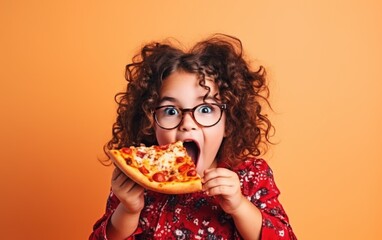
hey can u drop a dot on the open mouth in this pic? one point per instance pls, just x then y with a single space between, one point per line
192 150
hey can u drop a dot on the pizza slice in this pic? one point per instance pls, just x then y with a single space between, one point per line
166 169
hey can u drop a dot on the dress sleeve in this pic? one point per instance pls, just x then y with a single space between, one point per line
99 228
259 187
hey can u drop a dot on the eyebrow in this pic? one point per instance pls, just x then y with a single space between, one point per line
174 100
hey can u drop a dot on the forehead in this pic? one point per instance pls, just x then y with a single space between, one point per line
184 87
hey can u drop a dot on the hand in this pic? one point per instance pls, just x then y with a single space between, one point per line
225 186
129 193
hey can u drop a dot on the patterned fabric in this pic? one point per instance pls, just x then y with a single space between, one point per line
198 216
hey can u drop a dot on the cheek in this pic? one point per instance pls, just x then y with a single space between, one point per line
215 135
222 125
163 136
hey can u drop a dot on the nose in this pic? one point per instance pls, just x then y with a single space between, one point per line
188 123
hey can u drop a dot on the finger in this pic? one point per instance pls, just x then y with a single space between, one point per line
218 181
209 170
116 174
119 176
137 189
220 190
220 186
214 173
126 183
120 180
123 186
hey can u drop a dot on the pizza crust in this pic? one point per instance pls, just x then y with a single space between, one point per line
192 185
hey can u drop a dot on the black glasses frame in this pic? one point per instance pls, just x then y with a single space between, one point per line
222 107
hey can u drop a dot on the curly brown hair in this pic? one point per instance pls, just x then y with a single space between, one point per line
219 57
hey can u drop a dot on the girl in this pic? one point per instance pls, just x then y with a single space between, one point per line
209 98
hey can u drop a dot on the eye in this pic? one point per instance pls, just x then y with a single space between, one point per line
170 111
205 109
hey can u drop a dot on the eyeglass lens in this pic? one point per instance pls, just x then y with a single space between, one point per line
206 115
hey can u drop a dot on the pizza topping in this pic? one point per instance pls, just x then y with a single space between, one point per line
126 150
128 161
179 159
172 178
143 170
161 147
192 173
140 154
159 177
184 167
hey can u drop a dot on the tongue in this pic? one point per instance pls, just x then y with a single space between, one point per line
192 151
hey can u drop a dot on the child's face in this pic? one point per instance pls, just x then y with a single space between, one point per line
182 90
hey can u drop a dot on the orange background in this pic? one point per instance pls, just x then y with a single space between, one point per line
63 61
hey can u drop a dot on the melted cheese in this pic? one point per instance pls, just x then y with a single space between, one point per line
163 160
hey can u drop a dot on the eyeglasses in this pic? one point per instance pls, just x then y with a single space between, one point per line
205 114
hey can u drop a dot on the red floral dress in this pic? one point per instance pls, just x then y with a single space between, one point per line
198 216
